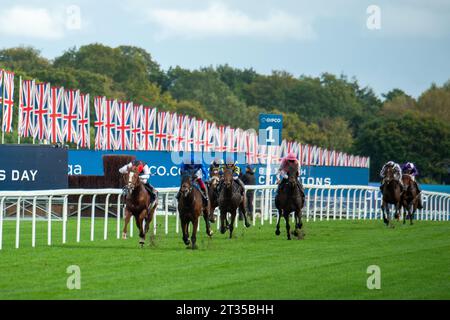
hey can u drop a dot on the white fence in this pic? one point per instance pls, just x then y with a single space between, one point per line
322 203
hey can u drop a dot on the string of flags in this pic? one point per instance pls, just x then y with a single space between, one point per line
59 115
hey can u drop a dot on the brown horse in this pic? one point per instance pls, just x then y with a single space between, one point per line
138 204
392 194
190 208
289 199
410 198
230 199
213 194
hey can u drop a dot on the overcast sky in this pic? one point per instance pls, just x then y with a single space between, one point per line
410 50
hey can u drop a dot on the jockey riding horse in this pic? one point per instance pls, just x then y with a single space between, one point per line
144 176
233 167
197 171
410 169
290 161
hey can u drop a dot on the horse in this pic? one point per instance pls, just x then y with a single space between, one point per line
410 198
213 184
190 208
289 199
230 199
138 205
392 194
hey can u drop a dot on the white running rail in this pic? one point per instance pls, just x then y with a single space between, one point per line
322 203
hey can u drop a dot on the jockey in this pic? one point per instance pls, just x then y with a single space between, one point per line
144 176
232 165
197 170
214 167
286 163
397 173
410 169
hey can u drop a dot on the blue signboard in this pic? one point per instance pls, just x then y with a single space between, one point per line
270 129
28 167
164 167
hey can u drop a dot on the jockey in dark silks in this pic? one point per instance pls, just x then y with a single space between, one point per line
144 176
197 171
286 163
214 167
410 169
397 174
231 165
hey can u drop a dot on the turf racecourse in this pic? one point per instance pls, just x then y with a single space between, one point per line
331 263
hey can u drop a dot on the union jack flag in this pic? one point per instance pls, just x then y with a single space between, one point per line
221 140
8 101
26 106
198 139
180 133
84 139
123 138
56 107
40 112
148 132
110 125
172 122
189 131
161 135
99 125
208 136
136 127
70 115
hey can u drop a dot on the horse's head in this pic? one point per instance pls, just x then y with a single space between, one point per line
228 178
132 179
186 185
389 173
215 178
292 177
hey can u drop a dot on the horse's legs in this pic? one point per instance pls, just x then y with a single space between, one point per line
277 231
184 229
288 226
244 213
223 222
298 222
231 226
149 219
206 216
194 233
127 221
385 210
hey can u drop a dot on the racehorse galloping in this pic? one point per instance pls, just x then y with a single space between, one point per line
392 194
138 204
230 199
410 198
212 194
190 208
289 199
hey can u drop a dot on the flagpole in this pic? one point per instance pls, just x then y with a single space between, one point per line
19 124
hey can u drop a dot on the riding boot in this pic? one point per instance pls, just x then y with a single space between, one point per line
242 185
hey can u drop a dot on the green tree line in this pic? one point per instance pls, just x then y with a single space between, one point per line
331 111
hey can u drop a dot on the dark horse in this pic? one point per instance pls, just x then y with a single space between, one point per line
289 199
410 198
138 204
392 194
213 194
230 199
190 208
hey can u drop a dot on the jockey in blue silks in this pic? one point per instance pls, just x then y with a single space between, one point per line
195 170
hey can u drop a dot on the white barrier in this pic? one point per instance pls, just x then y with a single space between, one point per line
322 202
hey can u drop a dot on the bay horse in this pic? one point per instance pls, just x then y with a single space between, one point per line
410 198
392 194
290 199
230 199
138 204
190 208
213 184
